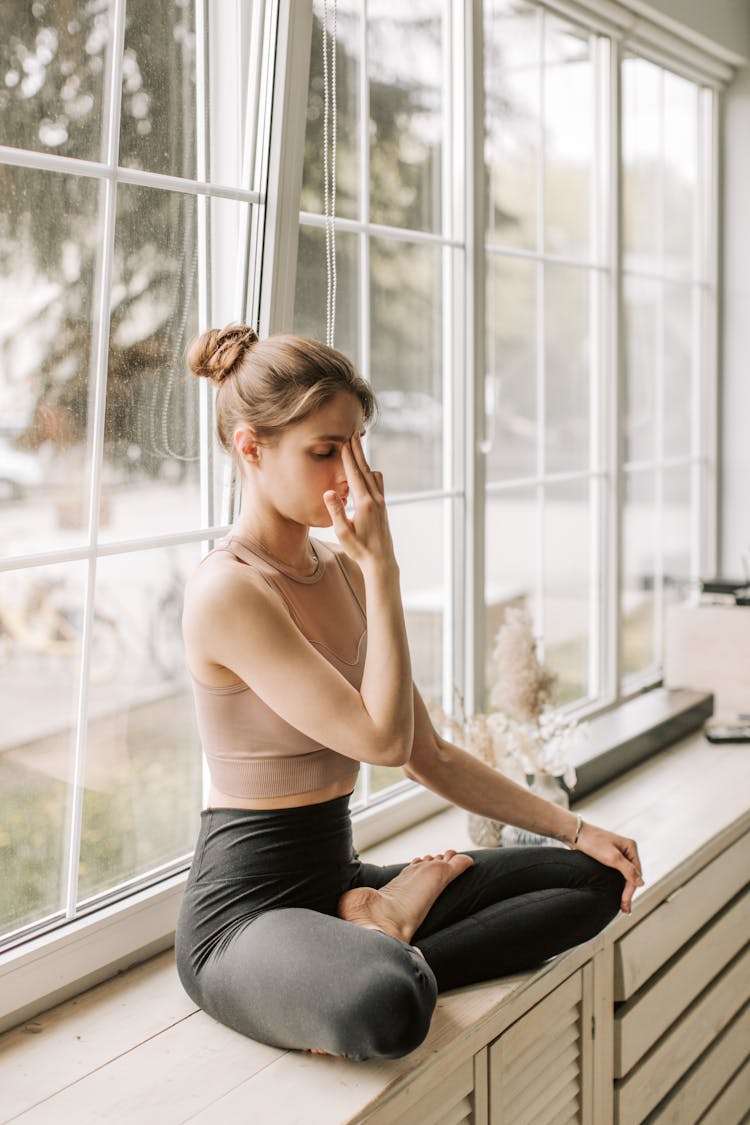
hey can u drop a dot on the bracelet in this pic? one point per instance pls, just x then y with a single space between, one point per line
579 826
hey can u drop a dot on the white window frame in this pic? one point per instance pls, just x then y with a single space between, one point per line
53 966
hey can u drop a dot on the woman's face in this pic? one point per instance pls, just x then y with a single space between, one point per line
294 472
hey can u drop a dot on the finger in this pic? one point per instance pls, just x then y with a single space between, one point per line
379 481
629 849
361 460
627 898
357 484
341 523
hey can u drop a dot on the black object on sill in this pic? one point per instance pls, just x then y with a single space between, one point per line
721 585
738 731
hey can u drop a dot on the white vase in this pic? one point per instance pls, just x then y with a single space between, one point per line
485 832
551 789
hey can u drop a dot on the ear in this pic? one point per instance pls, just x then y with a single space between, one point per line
247 445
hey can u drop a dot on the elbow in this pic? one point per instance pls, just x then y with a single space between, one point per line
395 750
397 754
428 761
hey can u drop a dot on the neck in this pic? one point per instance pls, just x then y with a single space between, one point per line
287 544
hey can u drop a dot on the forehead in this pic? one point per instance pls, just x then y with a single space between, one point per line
336 420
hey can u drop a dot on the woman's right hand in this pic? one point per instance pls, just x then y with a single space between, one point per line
367 537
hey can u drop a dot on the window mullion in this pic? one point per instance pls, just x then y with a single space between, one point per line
706 491
540 374
475 510
617 397
661 340
453 180
98 400
286 157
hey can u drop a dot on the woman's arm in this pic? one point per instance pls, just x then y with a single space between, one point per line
464 780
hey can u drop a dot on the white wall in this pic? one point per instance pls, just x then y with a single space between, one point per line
735 327
727 23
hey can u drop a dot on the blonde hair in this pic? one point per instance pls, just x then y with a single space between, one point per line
273 383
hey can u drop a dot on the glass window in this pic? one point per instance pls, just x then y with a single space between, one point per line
390 314
665 286
111 486
107 487
544 323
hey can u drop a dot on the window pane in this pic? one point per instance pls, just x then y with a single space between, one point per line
311 292
639 538
569 104
680 172
40 655
641 153
406 112
406 330
568 587
348 63
677 531
641 299
143 765
151 456
511 565
52 63
49 237
512 110
511 364
678 368
567 368
158 117
418 536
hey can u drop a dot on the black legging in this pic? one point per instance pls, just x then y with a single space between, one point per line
259 946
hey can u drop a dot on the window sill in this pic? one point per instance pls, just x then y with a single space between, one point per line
621 738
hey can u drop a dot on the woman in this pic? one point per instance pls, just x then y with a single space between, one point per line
301 671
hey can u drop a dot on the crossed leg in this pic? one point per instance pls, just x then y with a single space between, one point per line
512 909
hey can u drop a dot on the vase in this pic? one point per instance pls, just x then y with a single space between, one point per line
551 789
485 832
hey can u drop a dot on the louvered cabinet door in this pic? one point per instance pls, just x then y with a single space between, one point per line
536 1066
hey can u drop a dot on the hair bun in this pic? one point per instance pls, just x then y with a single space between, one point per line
217 353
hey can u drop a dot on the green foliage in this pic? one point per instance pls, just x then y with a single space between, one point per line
54 57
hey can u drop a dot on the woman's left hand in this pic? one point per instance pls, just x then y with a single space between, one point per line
614 851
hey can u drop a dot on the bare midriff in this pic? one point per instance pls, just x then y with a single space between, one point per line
219 800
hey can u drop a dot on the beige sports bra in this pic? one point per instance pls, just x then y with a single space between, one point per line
251 751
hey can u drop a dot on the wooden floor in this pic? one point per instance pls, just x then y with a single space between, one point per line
135 1049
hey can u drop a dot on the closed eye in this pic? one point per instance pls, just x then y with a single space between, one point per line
324 456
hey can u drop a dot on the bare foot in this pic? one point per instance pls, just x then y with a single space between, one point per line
400 906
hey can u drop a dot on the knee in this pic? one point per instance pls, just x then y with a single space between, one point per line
610 884
396 1004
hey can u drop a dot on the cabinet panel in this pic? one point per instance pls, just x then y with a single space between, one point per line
648 946
653 1078
449 1102
647 1015
535 1065
705 1079
730 1108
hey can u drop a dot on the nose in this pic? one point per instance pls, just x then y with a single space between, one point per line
341 483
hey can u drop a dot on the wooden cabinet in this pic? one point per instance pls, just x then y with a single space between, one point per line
682 982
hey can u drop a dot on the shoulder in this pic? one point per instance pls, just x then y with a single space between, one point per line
219 590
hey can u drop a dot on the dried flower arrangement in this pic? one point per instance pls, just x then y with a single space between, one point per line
524 737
